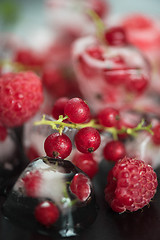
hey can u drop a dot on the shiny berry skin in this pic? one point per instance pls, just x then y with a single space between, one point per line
131 185
32 181
58 108
80 186
86 163
114 150
87 140
116 36
108 117
3 133
21 96
77 110
137 83
156 135
58 146
46 213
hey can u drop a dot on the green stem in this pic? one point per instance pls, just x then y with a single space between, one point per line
59 125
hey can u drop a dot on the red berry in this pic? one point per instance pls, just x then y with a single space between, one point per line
88 71
100 7
32 153
32 181
58 146
20 97
80 186
136 82
77 110
46 213
131 185
114 150
156 135
3 133
116 36
58 108
86 163
95 52
109 117
87 140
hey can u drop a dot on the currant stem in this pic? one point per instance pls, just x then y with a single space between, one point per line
59 125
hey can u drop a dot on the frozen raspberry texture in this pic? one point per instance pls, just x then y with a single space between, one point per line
52 196
21 96
131 185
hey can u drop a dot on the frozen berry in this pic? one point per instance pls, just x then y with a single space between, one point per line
77 110
86 163
131 185
21 96
58 108
87 140
80 186
58 145
114 150
109 117
46 213
32 181
116 36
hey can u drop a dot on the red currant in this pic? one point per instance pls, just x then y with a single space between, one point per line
114 150
86 163
58 146
109 117
116 36
87 140
136 82
100 7
95 52
31 182
58 108
46 213
156 135
80 186
77 110
32 153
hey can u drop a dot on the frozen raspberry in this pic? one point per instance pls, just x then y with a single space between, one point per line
80 186
31 183
46 213
21 95
131 185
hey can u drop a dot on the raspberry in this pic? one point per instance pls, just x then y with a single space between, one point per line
131 185
31 183
80 186
20 97
46 213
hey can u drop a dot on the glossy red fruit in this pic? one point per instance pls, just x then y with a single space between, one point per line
131 185
80 186
137 82
46 213
21 96
58 146
86 163
109 117
114 150
87 140
3 133
116 36
156 135
77 110
32 181
58 108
